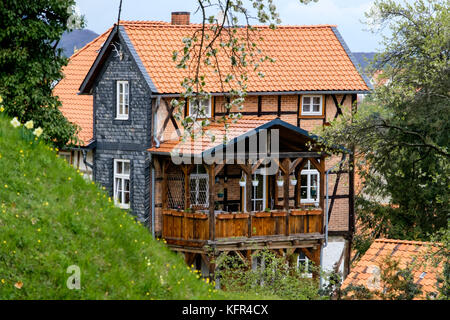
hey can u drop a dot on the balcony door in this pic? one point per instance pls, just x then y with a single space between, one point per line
259 193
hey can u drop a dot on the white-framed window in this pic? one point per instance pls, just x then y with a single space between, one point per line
66 156
199 187
122 183
203 108
304 264
123 100
311 105
309 184
259 193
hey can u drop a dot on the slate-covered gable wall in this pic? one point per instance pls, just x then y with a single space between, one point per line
123 139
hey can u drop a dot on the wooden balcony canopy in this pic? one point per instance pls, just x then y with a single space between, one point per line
279 223
293 141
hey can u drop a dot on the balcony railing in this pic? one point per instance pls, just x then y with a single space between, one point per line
180 227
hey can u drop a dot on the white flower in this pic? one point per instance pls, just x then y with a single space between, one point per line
37 132
29 124
15 123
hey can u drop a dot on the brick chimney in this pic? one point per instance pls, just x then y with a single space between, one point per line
180 17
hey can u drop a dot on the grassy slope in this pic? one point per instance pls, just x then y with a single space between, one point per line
51 218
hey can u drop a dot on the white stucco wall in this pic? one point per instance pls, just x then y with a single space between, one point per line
75 158
332 253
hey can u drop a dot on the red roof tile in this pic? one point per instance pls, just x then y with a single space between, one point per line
306 58
79 108
406 252
203 143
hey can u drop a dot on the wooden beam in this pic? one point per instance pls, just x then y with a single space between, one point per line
316 164
259 105
285 165
218 168
338 105
322 190
257 165
297 193
294 164
285 169
206 260
280 166
279 106
335 189
275 189
164 187
248 189
187 168
156 164
247 169
189 258
242 257
212 193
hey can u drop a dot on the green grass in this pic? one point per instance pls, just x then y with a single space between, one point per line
52 218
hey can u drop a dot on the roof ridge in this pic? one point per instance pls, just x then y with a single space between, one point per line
168 24
90 43
381 240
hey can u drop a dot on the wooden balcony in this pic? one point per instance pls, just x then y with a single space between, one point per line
274 229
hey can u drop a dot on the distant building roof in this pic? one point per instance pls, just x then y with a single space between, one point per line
406 252
79 108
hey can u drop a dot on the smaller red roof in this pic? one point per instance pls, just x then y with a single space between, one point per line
216 135
79 108
407 253
202 143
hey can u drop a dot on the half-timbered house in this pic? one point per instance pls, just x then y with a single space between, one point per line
118 89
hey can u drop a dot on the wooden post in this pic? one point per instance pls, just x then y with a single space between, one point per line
297 188
313 254
212 216
164 190
248 191
187 185
285 165
248 186
275 188
322 190
286 184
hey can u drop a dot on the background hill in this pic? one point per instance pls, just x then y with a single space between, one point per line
76 39
364 58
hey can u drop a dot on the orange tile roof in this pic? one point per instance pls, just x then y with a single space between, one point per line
203 143
79 108
307 58
406 252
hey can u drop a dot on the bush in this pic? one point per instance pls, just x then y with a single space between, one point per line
269 275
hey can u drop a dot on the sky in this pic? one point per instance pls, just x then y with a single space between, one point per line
346 14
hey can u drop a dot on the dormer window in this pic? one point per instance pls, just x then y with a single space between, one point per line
123 100
311 105
201 110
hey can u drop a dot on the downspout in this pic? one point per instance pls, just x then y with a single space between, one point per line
155 130
326 216
153 202
157 143
87 164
